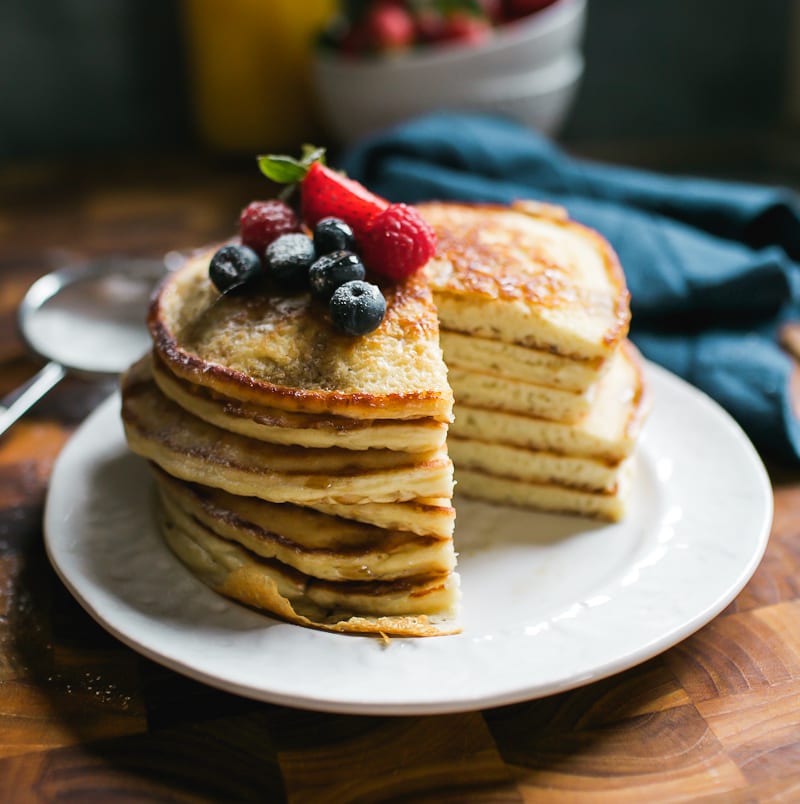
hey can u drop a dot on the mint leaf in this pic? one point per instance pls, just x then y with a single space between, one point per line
282 169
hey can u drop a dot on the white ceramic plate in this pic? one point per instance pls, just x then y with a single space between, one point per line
549 602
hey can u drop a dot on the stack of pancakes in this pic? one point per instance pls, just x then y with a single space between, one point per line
300 470
550 398
306 472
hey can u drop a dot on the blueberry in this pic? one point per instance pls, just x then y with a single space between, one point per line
357 307
333 234
332 270
288 259
233 266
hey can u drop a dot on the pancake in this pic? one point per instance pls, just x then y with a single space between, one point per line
484 390
536 466
405 607
282 352
537 366
425 518
191 449
609 505
527 275
306 473
300 429
316 544
609 431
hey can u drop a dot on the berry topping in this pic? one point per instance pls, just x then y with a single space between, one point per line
333 234
233 266
333 270
261 222
288 259
323 192
397 242
326 193
357 308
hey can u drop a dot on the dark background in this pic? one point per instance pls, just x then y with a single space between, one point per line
683 84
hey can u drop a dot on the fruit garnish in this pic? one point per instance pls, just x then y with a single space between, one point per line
323 192
397 242
357 307
393 239
333 234
261 222
332 270
232 267
288 259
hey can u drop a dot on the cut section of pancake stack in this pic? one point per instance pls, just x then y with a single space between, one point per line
550 398
300 470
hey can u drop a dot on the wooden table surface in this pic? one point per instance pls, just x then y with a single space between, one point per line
86 719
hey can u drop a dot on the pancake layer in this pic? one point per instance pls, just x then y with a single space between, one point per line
489 356
610 506
193 450
281 351
609 431
300 429
527 275
316 544
407 607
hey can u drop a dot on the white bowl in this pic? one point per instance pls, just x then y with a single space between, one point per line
530 63
515 47
540 99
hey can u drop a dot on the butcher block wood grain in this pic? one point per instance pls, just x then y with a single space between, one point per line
83 718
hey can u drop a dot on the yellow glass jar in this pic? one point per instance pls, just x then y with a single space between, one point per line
249 68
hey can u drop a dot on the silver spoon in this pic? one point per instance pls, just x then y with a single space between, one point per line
88 320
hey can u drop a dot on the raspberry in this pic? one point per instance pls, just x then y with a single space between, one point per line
261 222
397 242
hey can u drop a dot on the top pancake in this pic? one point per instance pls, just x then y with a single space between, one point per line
281 350
527 274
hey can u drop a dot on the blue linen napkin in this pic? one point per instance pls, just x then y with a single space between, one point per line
711 265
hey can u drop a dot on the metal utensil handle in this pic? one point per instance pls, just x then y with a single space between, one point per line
29 393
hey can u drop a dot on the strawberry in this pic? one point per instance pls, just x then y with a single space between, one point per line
261 222
389 26
466 29
326 193
397 242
